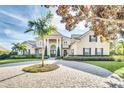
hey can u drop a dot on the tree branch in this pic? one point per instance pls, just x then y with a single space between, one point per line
109 20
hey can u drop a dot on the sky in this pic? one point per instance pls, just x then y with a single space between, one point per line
14 19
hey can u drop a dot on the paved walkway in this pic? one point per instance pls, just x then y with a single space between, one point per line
73 64
70 74
82 66
19 64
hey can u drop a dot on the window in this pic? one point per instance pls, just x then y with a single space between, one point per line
86 51
92 38
29 51
65 42
99 51
40 43
72 51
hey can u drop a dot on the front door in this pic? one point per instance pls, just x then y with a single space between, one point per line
65 52
53 51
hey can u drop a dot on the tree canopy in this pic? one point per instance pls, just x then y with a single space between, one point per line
41 26
107 21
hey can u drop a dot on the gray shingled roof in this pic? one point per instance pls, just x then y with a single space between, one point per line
32 43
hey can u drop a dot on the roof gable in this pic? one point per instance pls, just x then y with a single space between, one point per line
32 43
86 33
55 33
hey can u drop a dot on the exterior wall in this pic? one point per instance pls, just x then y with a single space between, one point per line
84 43
64 44
39 43
73 49
28 47
57 43
32 50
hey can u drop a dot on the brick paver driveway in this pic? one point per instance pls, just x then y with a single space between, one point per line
70 74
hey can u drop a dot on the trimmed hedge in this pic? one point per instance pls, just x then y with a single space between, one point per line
22 56
60 57
89 58
4 54
28 56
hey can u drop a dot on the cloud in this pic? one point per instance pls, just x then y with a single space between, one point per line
5 45
20 22
15 16
35 11
17 35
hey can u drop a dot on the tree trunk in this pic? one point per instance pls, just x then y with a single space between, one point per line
43 54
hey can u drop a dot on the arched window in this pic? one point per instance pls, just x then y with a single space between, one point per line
53 47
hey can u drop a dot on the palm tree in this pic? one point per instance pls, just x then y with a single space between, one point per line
17 47
22 48
41 27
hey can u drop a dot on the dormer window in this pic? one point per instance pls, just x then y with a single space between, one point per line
92 38
65 42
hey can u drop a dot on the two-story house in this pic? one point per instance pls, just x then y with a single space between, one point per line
89 44
85 44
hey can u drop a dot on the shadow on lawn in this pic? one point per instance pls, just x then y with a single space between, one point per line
92 69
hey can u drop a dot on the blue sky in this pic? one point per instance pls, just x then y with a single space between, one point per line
13 23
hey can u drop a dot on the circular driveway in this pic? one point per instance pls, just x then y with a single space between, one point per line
70 74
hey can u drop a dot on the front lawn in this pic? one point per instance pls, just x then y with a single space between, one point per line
15 60
113 66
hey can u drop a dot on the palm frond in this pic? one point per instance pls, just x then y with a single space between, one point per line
28 30
49 15
41 27
31 24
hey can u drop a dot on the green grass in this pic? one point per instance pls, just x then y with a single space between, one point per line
113 66
15 60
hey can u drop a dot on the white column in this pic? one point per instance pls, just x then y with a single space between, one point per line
44 42
60 46
48 47
56 44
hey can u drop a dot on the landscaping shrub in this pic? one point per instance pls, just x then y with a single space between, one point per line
4 54
13 53
22 56
45 51
60 57
58 52
118 58
31 56
40 56
89 58
46 57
